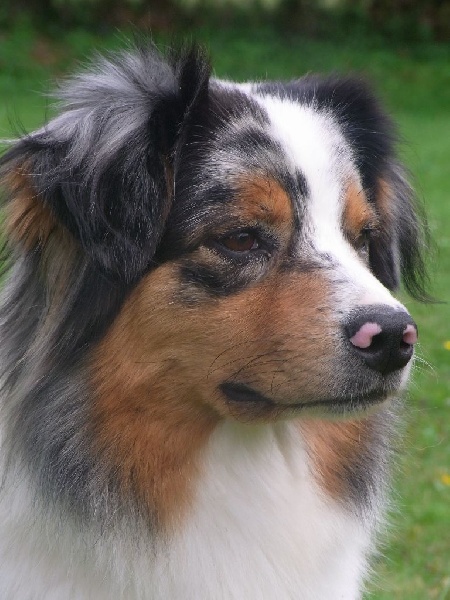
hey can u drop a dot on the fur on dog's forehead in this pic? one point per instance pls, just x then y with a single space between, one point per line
281 137
299 146
313 145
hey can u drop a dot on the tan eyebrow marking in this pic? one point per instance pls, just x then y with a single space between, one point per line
357 212
264 199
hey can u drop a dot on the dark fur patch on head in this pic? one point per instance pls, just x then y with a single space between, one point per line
101 167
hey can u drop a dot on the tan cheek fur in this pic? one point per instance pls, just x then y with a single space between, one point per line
337 449
147 418
156 376
280 343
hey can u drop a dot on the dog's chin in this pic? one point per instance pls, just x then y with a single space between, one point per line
247 404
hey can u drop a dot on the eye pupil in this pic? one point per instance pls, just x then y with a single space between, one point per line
242 241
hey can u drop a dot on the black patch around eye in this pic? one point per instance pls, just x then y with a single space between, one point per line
214 281
219 278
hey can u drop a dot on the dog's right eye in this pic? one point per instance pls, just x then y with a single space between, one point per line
240 241
244 245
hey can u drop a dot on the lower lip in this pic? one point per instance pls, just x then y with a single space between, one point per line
239 393
242 394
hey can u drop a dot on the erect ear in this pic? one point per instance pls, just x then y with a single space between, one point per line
103 167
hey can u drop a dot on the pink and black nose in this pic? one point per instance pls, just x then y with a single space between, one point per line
382 336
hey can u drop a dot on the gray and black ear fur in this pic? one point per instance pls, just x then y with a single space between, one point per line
104 167
397 252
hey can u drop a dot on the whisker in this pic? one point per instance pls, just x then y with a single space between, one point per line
235 360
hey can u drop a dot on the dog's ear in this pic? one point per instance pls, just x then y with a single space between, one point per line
103 168
396 253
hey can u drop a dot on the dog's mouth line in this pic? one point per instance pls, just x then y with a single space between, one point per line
240 393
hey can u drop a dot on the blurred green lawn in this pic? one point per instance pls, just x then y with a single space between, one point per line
415 84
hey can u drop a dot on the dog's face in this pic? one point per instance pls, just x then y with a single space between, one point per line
265 266
249 236
187 251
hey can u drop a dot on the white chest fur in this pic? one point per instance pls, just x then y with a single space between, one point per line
260 529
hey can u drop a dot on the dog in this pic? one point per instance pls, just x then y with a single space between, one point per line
201 356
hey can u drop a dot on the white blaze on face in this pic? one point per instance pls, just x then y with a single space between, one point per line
316 148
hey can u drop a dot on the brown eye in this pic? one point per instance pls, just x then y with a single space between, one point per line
363 242
241 241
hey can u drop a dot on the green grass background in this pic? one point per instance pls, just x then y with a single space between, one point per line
415 84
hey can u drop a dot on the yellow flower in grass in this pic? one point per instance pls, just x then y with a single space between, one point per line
447 345
445 479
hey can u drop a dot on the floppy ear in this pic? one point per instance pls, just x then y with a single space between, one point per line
397 252
103 168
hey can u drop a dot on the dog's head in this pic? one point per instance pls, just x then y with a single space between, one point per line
227 247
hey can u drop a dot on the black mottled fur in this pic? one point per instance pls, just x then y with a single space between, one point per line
116 214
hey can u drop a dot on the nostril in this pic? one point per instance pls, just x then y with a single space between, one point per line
410 335
364 336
